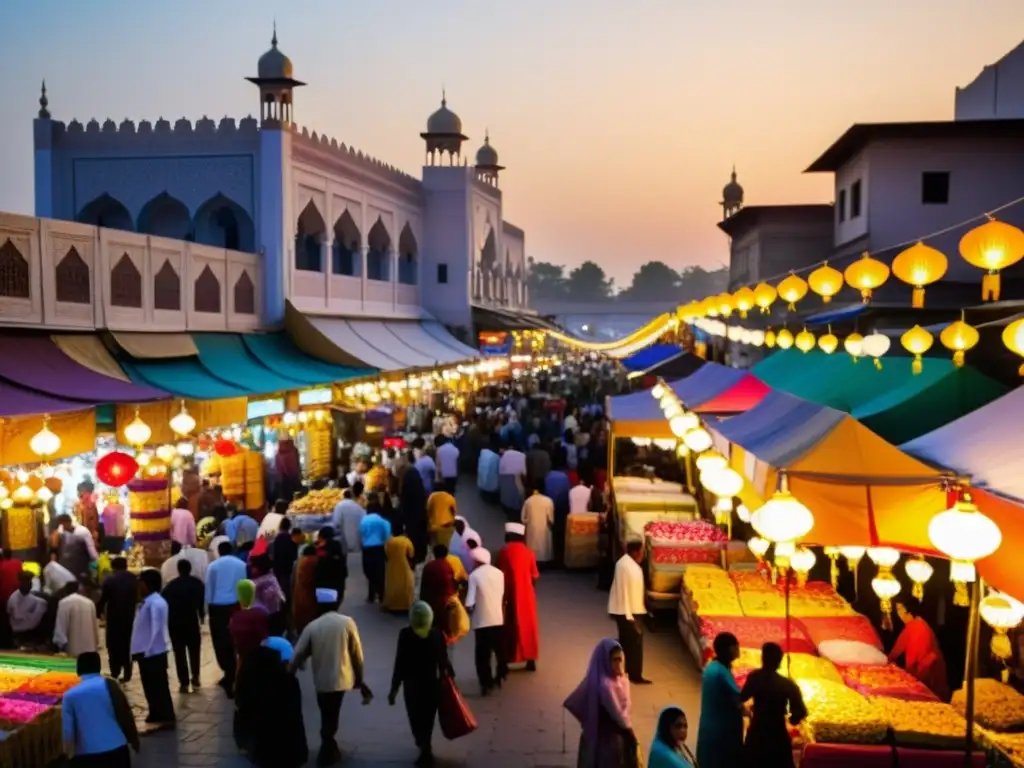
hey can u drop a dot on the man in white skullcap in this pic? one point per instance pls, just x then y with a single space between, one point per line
332 641
485 602
521 631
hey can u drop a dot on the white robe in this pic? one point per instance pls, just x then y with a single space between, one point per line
539 517
76 630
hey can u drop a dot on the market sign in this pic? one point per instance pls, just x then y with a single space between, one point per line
495 342
260 409
320 396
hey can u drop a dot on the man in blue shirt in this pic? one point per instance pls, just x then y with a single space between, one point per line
374 532
241 529
97 719
222 579
149 648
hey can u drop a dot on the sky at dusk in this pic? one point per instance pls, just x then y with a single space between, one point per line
618 122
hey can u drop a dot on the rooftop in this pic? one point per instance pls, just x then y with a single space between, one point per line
860 135
752 215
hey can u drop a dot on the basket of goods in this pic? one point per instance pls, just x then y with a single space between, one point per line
838 715
854 627
885 680
754 633
802 666
997 706
922 723
320 502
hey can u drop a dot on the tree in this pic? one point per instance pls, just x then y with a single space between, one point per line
696 283
546 281
588 282
654 281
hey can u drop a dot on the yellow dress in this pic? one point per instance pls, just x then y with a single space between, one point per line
399 580
441 511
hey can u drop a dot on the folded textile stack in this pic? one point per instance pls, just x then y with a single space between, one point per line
755 632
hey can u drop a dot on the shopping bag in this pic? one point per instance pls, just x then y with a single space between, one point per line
458 620
452 711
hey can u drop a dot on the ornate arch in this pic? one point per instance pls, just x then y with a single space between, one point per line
223 223
167 289
346 250
244 295
106 211
72 280
311 231
206 294
378 254
408 256
166 216
14 273
126 284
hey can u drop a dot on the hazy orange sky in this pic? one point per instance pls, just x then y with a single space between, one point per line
619 122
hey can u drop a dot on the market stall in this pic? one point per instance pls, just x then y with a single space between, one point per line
31 688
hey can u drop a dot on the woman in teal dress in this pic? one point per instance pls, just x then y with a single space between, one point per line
669 750
720 737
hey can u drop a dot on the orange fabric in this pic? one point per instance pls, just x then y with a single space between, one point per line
1002 570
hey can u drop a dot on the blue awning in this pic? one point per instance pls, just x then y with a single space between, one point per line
277 352
708 381
652 356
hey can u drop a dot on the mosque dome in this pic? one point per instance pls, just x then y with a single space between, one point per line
732 193
444 121
274 65
487 156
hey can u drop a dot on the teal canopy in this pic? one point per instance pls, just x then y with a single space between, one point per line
182 377
277 352
226 357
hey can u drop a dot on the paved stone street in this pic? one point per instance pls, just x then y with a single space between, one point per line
522 725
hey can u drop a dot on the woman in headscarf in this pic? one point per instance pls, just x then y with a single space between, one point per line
437 586
421 658
601 703
669 750
720 735
413 502
304 589
269 594
399 577
249 626
274 735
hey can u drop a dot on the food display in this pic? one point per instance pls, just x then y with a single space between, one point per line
242 478
922 723
762 603
1010 744
997 706
636 509
30 718
704 576
320 502
714 601
853 627
673 545
12 680
885 680
754 633
582 530
803 666
839 715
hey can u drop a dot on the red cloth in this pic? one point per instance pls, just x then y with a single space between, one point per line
884 680
856 756
454 715
822 628
10 571
248 629
522 632
436 588
923 657
260 547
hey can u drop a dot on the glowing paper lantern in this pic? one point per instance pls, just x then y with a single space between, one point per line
886 586
764 297
683 423
883 557
166 453
920 265
804 341
992 246
1013 338
116 468
757 337
1003 614
698 440
743 513
734 332
743 300
826 282
964 535
758 546
917 341
828 343
866 274
44 443
183 423
792 289
960 338
784 339
711 461
875 346
770 339
658 391
137 432
918 571
854 346
802 562
724 303
724 482
782 518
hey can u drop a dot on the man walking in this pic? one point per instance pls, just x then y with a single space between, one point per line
119 596
627 606
485 602
75 631
97 719
185 613
332 641
222 579
149 648
448 463
374 532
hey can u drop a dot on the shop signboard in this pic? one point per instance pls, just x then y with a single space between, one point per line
495 343
261 409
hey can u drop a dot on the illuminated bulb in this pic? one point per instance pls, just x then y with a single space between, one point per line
918 571
697 440
641 442
682 451
166 453
782 517
44 443
183 423
144 458
289 419
1004 614
683 423
854 346
885 557
186 449
6 503
802 562
886 587
964 535
758 546
658 390
743 513
665 444
784 339
710 461
137 432
44 494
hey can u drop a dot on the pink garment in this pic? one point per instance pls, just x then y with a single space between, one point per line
183 527
112 518
268 593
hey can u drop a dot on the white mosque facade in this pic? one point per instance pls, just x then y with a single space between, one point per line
337 233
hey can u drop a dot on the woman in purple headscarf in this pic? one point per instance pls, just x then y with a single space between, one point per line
602 706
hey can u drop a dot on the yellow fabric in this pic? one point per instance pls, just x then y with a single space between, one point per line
88 351
441 511
157 346
209 414
457 568
399 579
76 430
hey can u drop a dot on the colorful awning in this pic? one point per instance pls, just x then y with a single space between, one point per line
412 334
277 352
226 356
740 397
156 346
184 377
650 357
709 380
17 401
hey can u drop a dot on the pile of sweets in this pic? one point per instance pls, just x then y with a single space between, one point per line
803 667
838 715
996 705
923 723
320 502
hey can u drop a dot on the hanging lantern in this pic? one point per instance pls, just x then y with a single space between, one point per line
960 338
137 432
44 443
116 468
875 346
792 289
992 246
853 555
44 494
757 337
805 341
828 343
23 494
826 282
919 265
698 440
886 587
743 300
917 341
854 346
734 333
866 274
724 303
711 461
743 513
724 483
1013 338
784 339
832 553
964 535
883 557
801 562
770 339
658 391
764 297
683 423
759 547
183 423
682 451
782 517
1003 614
672 409
166 453
918 571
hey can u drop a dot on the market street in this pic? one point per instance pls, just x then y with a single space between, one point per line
521 725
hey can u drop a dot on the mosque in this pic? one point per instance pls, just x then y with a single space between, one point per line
338 233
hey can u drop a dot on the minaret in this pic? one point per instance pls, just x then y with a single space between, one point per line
444 135
732 197
42 140
487 167
276 219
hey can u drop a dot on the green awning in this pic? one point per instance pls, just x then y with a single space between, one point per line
277 352
185 377
226 357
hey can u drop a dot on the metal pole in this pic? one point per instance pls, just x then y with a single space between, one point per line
971 668
789 660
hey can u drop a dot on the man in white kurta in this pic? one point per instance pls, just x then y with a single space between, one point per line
539 519
76 631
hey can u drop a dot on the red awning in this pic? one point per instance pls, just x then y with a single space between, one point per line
740 397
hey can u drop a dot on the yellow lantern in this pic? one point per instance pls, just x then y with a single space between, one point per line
698 440
826 282
784 339
917 341
832 553
965 535
137 432
770 339
854 346
920 265
805 341
44 443
724 304
866 274
792 289
918 571
802 562
743 513
183 423
1013 338
875 346
683 423
711 461
757 337
764 297
960 338
782 518
166 453
992 246
1003 613
887 587
743 300
828 343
